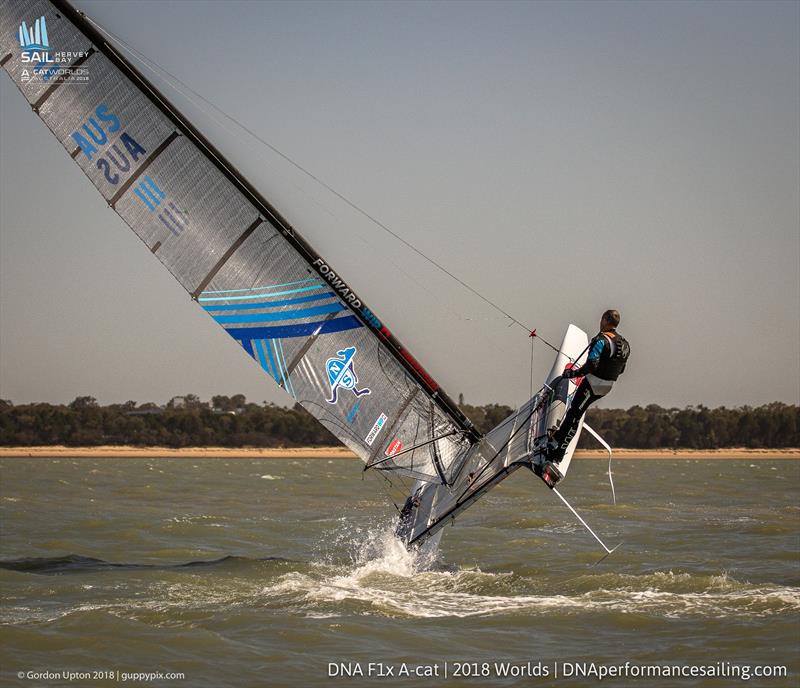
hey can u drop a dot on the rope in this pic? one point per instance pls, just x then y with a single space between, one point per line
154 66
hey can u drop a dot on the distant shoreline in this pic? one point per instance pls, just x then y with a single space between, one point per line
117 452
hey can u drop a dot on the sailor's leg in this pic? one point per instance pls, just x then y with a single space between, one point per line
558 405
584 397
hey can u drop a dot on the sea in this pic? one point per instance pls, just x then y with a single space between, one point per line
188 572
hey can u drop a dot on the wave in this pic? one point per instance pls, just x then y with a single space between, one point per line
75 563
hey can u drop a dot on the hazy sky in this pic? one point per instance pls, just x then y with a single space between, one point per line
562 158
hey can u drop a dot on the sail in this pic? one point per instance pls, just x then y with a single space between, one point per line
497 454
229 248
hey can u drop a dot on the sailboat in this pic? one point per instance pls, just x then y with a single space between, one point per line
250 270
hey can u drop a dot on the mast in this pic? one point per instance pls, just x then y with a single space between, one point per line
316 262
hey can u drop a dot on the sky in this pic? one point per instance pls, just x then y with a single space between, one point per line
561 158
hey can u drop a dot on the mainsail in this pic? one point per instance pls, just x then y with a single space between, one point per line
230 249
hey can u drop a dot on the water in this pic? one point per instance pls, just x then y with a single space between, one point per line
297 570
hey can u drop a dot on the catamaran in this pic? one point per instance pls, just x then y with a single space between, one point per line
251 271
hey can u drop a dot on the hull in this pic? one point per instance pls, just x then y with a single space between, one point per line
511 445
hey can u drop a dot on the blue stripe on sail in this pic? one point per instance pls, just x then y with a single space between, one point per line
273 368
279 345
283 315
269 304
272 361
260 296
261 358
281 366
271 286
350 322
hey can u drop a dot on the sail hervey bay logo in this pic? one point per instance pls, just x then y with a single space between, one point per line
342 375
41 63
35 37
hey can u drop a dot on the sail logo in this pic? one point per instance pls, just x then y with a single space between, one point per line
36 51
337 283
48 65
35 38
94 138
342 374
376 428
116 154
151 195
394 447
149 192
371 318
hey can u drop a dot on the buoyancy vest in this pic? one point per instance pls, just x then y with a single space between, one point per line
614 356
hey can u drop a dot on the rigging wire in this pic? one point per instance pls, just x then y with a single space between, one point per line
388 493
530 393
405 488
154 66
514 433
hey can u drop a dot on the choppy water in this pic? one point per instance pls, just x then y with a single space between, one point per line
292 568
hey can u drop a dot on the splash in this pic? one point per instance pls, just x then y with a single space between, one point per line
382 577
383 553
375 551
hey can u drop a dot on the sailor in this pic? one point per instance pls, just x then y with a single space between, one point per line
608 354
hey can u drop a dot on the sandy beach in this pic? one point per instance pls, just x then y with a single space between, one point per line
111 451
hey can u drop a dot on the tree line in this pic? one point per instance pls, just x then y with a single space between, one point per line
234 422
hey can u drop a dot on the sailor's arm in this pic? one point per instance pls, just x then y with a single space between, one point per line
591 362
